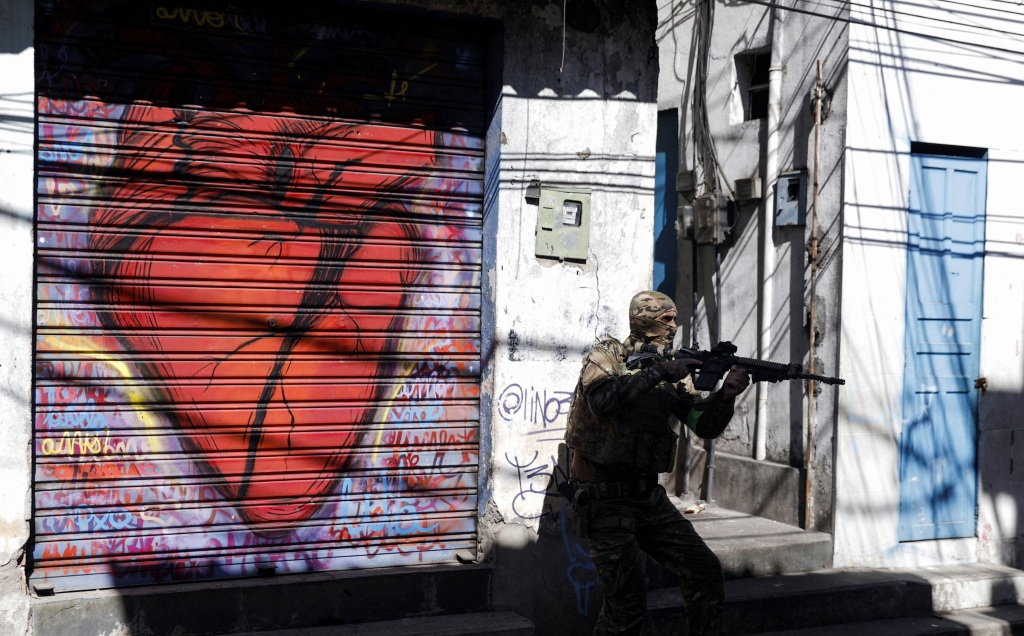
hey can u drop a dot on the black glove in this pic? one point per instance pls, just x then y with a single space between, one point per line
679 368
736 381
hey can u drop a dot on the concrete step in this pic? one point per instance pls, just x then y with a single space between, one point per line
750 546
478 624
962 598
329 600
813 599
965 586
1000 620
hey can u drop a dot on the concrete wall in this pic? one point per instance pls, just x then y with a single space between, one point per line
587 120
801 41
16 192
592 126
906 88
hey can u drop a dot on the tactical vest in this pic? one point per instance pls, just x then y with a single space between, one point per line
641 439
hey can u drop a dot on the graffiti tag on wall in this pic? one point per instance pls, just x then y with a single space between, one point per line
542 477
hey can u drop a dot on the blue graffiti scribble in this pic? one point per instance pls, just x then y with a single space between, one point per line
582 573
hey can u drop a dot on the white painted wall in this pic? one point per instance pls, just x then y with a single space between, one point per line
17 88
801 39
905 88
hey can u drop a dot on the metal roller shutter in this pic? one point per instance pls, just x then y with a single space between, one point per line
258 291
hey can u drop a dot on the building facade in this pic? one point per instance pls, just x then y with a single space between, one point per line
870 156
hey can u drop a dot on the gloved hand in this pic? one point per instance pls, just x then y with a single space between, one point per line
679 368
736 381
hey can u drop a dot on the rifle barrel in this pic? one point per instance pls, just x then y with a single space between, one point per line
822 378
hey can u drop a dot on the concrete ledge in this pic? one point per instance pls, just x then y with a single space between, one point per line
990 621
285 602
480 624
812 600
751 546
970 585
765 489
987 600
754 546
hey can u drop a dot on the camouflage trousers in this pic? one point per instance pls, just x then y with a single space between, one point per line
621 530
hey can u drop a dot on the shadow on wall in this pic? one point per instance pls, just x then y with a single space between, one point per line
593 53
17 27
548 576
1000 457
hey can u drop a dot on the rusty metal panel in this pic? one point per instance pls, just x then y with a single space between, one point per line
258 290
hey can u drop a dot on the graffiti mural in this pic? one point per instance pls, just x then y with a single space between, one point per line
539 415
258 270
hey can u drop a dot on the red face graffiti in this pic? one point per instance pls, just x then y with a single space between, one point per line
255 268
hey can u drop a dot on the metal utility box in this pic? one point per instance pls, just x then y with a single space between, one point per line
790 198
708 221
563 223
748 189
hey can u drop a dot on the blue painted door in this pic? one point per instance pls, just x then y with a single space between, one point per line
946 232
665 202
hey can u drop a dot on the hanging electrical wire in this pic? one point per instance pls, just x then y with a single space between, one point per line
704 145
910 18
701 135
704 150
562 65
887 27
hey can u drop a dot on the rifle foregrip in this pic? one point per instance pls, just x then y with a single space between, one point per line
764 366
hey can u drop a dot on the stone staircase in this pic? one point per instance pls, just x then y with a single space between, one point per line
778 583
963 599
751 546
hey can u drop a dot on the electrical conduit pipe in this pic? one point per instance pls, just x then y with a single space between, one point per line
771 173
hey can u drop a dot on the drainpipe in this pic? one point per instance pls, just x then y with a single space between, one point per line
709 482
771 173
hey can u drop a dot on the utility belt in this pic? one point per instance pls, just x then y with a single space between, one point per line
635 487
586 491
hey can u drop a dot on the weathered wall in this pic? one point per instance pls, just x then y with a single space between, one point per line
586 120
591 125
16 162
903 89
801 41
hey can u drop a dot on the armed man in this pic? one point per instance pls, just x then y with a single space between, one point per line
620 435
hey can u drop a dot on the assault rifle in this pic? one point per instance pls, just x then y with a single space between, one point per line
715 364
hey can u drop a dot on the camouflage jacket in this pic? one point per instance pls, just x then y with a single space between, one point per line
621 419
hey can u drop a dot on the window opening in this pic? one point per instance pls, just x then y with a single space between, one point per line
752 76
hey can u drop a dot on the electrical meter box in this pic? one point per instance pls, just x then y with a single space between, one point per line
790 197
563 223
709 221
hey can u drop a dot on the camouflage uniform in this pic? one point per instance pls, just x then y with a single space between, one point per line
620 435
